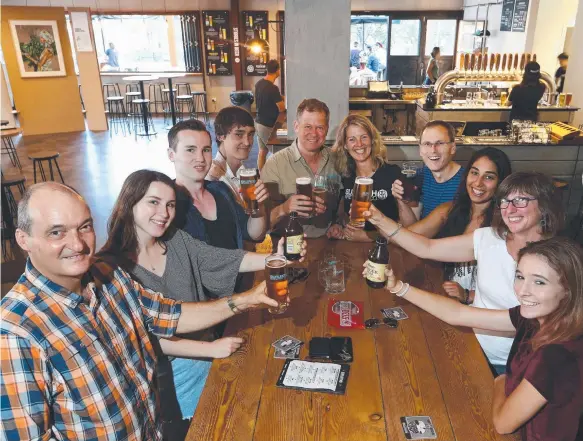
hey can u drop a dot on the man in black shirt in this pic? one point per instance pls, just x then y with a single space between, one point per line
269 102
561 71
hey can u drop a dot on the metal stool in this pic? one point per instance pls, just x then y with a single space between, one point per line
167 111
132 87
199 99
156 97
130 97
8 146
184 102
110 90
118 116
49 156
139 106
7 185
183 88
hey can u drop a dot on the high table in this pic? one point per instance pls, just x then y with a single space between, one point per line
141 79
424 367
171 94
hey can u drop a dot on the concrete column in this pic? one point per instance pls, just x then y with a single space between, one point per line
574 77
317 39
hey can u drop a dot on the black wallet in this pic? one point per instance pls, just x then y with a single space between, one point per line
335 349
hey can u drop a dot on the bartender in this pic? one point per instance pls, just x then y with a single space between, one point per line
525 96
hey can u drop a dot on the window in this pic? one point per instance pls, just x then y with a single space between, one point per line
405 37
467 40
440 33
369 35
146 43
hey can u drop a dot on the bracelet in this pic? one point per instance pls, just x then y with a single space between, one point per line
232 305
399 226
405 290
400 288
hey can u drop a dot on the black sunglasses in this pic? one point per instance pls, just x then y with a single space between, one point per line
373 323
296 275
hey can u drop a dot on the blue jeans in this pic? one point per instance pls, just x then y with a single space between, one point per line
499 368
189 380
427 81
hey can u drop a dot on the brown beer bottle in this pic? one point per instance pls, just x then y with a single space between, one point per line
378 259
294 238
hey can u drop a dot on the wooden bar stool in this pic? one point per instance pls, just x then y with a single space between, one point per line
49 156
200 109
8 145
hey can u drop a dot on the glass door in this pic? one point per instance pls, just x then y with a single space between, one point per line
441 34
404 64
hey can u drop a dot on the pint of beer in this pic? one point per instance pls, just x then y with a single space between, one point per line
409 172
304 187
361 196
503 98
248 179
276 281
562 100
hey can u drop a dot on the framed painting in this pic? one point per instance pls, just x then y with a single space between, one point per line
38 48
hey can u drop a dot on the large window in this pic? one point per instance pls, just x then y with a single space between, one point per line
145 43
369 35
467 40
405 36
440 33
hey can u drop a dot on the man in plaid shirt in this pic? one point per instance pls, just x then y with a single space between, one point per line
76 356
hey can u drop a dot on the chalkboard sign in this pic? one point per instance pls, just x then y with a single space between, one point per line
507 15
255 64
520 13
216 33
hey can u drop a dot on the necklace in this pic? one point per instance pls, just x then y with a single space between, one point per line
149 262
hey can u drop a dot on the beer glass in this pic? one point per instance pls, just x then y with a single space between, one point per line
320 188
562 100
248 178
276 281
568 98
304 187
361 196
409 177
503 98
334 277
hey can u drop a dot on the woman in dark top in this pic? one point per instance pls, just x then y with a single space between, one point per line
359 151
542 391
162 258
525 96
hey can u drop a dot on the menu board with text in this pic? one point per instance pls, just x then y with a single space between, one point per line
520 14
216 34
507 14
255 23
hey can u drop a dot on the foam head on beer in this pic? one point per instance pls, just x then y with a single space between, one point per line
361 195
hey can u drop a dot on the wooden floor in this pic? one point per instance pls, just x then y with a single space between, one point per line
97 163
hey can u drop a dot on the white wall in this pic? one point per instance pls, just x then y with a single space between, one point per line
574 77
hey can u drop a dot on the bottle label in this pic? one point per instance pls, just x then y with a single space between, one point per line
375 272
293 244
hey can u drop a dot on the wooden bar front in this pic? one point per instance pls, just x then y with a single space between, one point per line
424 367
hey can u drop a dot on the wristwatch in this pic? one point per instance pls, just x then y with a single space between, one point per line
232 305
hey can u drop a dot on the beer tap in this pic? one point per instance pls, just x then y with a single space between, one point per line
515 62
479 63
527 58
462 65
522 62
467 63
492 62
498 63
504 61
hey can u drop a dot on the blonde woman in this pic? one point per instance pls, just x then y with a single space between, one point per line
359 151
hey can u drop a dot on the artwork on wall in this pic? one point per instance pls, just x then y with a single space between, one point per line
38 48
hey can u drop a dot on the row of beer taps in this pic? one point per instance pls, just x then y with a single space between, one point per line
500 65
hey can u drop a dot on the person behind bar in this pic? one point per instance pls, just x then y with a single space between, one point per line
540 394
472 208
143 242
359 151
234 131
525 96
440 177
561 71
269 102
432 71
78 359
305 157
207 210
529 211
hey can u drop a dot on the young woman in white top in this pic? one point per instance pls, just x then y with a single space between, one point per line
529 211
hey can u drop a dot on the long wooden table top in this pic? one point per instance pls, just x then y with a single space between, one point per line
424 367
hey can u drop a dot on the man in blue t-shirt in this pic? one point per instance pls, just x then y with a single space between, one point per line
439 178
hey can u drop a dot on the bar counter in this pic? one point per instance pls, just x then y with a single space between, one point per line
561 161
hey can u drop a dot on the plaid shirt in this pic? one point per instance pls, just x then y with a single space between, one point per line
80 369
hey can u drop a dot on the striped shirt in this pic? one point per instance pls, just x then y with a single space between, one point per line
81 369
434 193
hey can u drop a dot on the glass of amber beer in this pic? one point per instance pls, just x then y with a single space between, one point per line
361 196
304 187
276 281
248 178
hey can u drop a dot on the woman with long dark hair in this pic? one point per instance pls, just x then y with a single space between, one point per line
526 95
143 241
472 208
528 211
432 71
541 392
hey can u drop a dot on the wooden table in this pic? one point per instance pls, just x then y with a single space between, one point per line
424 367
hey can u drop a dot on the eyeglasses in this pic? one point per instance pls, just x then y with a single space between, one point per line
436 144
375 323
517 202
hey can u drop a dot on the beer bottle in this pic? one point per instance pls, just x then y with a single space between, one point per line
378 259
294 237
